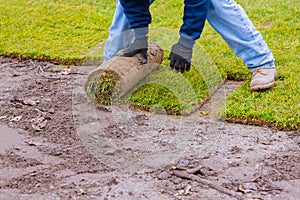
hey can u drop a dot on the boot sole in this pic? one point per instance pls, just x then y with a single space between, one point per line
262 87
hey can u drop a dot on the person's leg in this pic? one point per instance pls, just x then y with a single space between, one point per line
231 21
120 35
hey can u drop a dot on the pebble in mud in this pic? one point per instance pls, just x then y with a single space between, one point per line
163 175
183 163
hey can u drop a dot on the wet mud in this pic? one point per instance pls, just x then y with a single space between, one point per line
56 144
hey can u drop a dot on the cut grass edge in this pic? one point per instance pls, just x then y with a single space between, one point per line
58 61
263 123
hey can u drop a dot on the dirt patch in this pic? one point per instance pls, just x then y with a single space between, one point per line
60 146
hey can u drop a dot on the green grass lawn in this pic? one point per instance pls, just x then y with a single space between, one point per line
71 31
57 29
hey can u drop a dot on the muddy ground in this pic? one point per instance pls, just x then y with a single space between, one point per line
55 144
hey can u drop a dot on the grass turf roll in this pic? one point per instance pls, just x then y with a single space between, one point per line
117 76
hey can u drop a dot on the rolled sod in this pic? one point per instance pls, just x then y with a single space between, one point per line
117 76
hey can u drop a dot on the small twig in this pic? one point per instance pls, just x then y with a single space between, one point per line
194 170
79 73
271 189
145 196
41 69
160 129
259 174
43 72
34 66
185 175
54 77
51 77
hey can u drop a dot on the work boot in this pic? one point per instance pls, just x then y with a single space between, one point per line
263 79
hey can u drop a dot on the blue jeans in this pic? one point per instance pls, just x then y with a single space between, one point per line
226 16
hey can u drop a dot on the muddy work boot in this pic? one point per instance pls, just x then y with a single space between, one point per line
138 46
263 79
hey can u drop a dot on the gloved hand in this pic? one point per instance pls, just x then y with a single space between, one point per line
180 57
138 46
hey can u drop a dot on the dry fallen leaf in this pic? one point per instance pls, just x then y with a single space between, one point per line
250 186
180 192
16 119
187 189
267 25
30 102
243 190
33 143
66 71
3 117
39 124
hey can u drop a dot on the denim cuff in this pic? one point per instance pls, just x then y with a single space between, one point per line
141 33
186 41
268 66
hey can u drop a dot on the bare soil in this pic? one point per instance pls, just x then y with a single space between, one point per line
55 144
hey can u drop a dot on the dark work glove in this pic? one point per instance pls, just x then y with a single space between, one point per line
138 46
180 58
